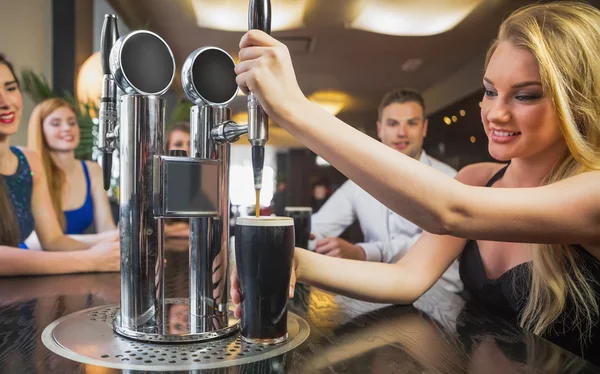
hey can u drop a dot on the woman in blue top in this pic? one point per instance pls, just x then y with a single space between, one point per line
75 185
25 205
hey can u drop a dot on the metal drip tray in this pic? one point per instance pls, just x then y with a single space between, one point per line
87 336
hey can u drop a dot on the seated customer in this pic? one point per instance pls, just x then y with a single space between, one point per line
76 186
25 205
402 126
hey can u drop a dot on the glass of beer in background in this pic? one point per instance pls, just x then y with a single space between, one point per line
302 218
264 252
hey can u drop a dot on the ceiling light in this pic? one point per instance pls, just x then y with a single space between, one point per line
454 118
447 120
412 17
473 139
232 15
331 101
463 113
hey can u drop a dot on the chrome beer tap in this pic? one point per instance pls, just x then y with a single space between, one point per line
154 186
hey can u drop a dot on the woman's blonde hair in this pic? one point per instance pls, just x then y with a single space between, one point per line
36 141
564 37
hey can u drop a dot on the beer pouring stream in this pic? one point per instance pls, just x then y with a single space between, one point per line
107 122
259 17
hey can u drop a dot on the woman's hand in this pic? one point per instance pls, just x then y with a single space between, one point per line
266 70
236 291
105 256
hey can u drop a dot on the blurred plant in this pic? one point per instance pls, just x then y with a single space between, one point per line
181 112
38 88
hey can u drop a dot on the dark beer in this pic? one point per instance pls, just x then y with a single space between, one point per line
302 226
264 252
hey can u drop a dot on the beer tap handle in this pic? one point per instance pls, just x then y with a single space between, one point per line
259 17
108 101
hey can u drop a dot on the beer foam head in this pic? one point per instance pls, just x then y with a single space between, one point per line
298 209
264 221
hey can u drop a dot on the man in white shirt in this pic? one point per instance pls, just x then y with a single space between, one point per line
401 125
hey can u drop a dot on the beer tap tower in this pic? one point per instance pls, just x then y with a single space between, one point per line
154 186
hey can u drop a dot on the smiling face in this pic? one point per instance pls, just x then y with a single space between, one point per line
403 127
11 102
61 130
518 118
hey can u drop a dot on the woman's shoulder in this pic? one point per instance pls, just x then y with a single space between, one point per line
33 161
94 171
478 174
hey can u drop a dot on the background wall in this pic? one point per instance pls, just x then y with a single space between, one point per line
26 30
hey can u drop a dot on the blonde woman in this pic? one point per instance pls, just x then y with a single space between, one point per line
75 185
528 234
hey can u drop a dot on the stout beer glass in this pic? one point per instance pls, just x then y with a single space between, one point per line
264 252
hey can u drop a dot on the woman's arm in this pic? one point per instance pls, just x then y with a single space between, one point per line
399 283
103 218
564 212
33 242
16 261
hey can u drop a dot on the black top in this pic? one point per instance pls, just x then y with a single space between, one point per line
20 187
507 295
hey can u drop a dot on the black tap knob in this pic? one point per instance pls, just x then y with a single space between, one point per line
108 38
106 169
259 15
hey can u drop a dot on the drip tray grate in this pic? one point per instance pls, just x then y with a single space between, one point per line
87 336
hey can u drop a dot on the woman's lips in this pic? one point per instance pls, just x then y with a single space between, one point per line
503 137
7 118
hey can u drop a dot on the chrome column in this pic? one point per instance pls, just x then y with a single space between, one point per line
208 306
142 253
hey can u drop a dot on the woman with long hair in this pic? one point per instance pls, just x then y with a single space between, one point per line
76 186
25 205
527 233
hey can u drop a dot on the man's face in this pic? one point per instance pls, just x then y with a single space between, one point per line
403 127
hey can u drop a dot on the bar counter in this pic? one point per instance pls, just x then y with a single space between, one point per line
440 333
